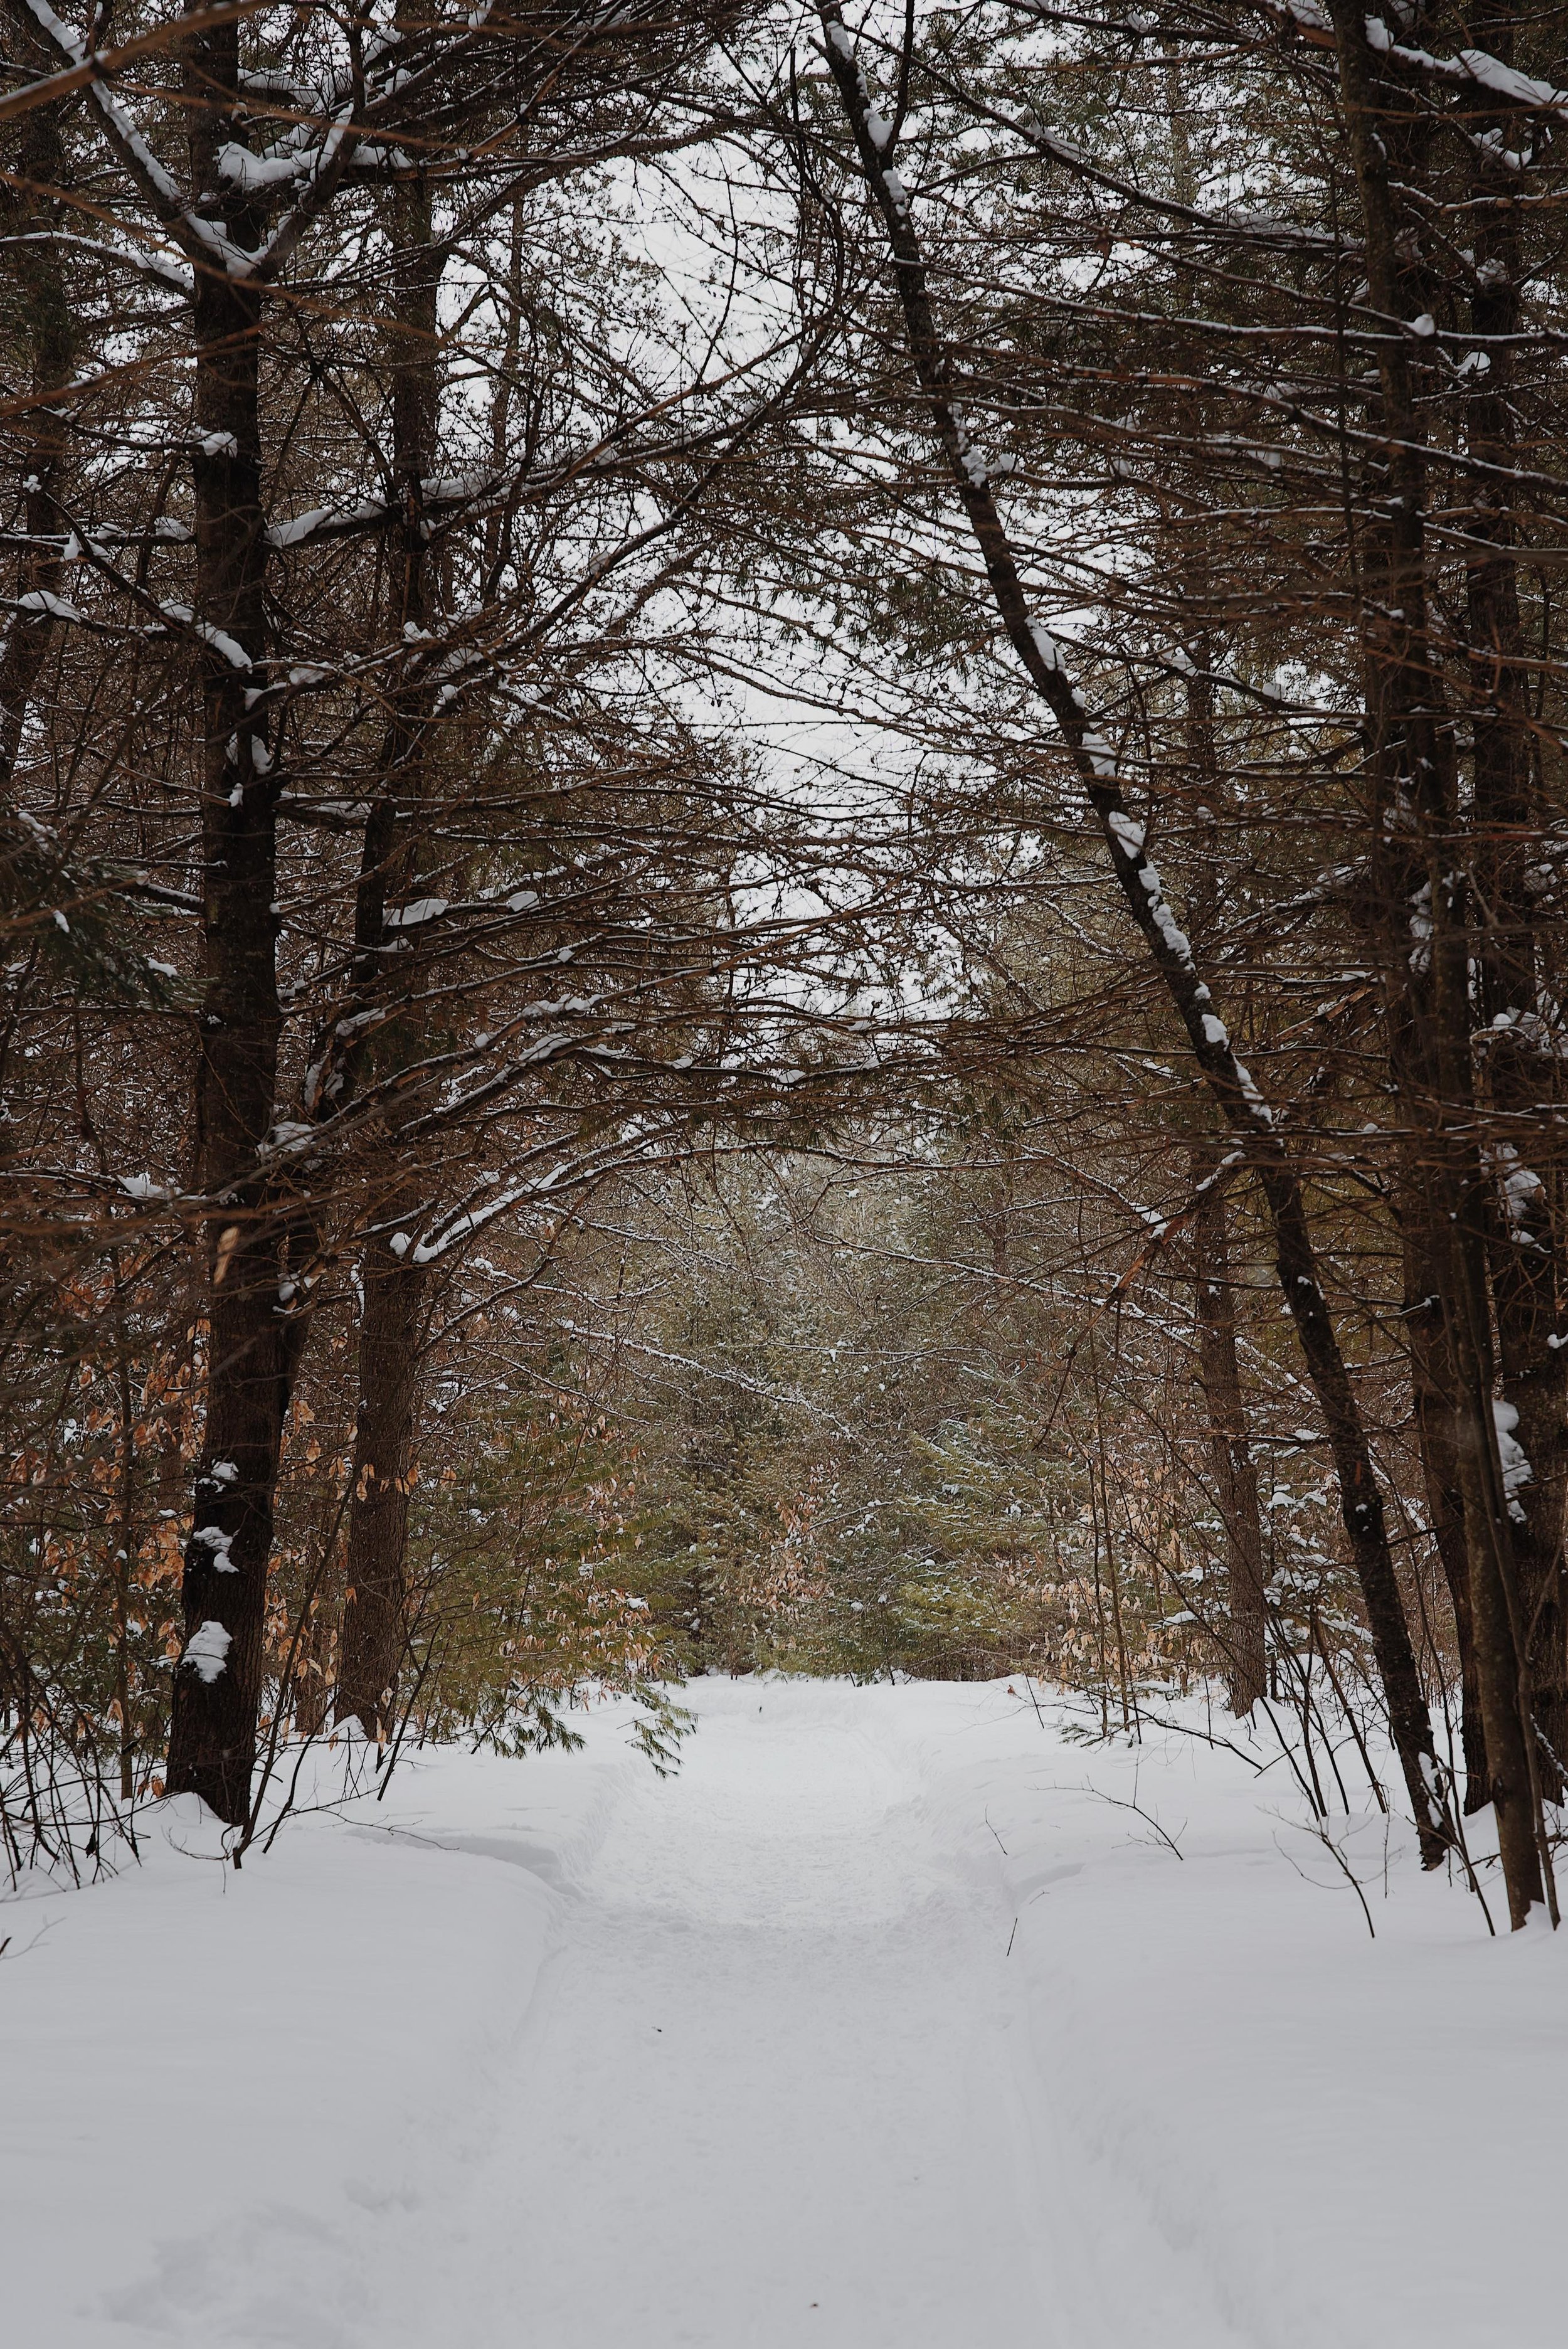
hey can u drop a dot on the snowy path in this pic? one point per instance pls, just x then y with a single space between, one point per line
764 2096
547 2054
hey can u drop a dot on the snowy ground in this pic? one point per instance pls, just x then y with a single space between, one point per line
878 2028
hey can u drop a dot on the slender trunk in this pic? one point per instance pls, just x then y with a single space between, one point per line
373 1615
313 1675
499 528
394 1285
1500 1662
1431 1388
127 1544
1236 1476
1230 1453
1241 1105
252 1341
1527 1292
1113 1570
36 264
1099 1608
1526 1250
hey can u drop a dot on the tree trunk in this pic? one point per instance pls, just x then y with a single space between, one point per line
391 1330
1502 1666
35 263
252 1337
1431 1391
1526 1292
1412 812
1413 762
374 1629
1509 816
1236 1476
1234 1473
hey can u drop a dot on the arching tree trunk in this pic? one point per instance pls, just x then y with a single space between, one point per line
1243 1109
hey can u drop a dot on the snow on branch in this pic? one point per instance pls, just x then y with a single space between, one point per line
1477 66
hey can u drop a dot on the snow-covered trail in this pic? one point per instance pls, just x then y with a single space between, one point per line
764 2096
548 2054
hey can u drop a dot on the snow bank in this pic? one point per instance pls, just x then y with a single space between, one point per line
1260 2118
224 2092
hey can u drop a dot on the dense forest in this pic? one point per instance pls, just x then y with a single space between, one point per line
782 855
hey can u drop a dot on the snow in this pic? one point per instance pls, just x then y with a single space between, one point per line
881 2027
1255 1101
1098 754
250 172
1522 1189
408 917
470 1221
232 650
298 528
1516 1471
1046 644
1473 65
52 606
1174 938
209 1644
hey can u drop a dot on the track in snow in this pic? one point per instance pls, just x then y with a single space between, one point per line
764 2095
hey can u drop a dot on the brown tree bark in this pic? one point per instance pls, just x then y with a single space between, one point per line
375 1625
1412 752
1397 684
253 1335
1497 1623
1235 1474
1214 1303
1431 1391
391 1331
36 262
1509 816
